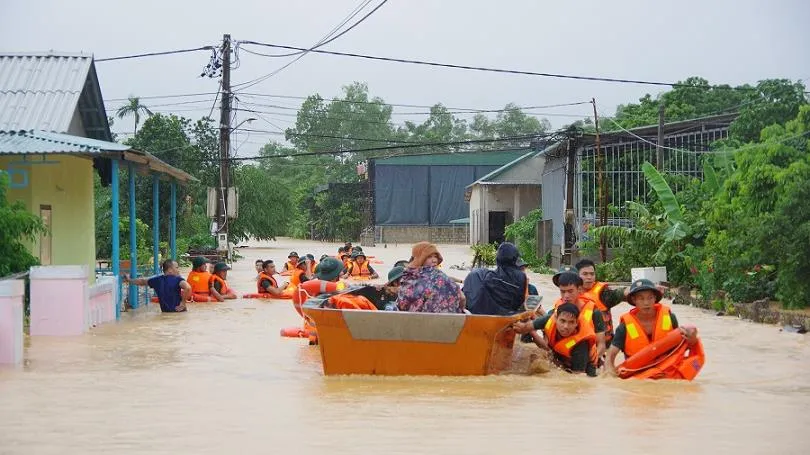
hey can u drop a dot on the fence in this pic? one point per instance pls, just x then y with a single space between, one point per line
624 153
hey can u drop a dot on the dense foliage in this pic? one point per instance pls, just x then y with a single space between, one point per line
17 226
742 232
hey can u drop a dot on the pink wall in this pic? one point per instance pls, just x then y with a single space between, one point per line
11 321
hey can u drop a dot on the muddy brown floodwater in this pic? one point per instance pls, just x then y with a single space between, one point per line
220 380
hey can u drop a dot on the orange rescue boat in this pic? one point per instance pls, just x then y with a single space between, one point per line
403 343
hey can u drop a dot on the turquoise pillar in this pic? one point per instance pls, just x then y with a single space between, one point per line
173 226
133 240
155 223
116 237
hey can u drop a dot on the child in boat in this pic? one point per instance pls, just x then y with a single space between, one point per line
199 277
171 289
572 342
390 290
219 286
359 268
266 283
647 323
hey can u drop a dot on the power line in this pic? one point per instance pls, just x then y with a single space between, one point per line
322 42
154 54
395 147
495 70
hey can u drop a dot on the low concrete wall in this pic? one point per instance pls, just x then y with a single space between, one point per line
64 304
12 293
756 311
413 234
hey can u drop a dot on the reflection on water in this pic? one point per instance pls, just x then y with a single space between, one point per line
220 379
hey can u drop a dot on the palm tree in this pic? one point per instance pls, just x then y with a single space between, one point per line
134 107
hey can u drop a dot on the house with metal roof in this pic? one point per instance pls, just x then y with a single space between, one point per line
502 196
54 135
421 197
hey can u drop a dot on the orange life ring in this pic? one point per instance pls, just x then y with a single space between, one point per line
294 332
198 298
668 358
284 296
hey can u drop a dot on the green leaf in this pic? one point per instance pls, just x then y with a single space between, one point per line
664 192
710 178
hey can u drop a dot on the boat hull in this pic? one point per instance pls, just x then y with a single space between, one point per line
403 343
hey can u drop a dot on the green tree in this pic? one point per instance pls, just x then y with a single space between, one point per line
135 108
772 102
264 205
17 225
762 216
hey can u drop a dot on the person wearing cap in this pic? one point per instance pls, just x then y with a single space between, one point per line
267 284
572 342
402 263
569 283
301 272
329 269
199 276
390 290
219 287
290 265
359 268
171 289
600 294
647 323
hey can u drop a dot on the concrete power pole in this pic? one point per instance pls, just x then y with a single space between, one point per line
224 144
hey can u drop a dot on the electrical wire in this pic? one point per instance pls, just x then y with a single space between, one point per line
495 70
154 54
304 52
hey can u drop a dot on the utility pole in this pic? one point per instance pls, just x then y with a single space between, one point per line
659 151
601 183
224 142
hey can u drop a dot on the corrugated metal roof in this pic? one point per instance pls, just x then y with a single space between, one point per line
39 142
41 91
487 179
495 158
45 142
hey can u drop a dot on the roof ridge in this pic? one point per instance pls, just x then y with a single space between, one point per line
47 54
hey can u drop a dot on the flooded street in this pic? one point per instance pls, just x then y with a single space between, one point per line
219 379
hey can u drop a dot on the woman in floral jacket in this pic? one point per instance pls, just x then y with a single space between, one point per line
425 288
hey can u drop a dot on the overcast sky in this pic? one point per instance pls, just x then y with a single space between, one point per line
725 41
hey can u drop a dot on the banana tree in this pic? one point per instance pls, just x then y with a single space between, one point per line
659 232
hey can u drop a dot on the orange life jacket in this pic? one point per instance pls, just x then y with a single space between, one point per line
563 346
637 338
295 278
289 266
216 278
359 270
594 295
199 282
351 302
586 308
263 276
